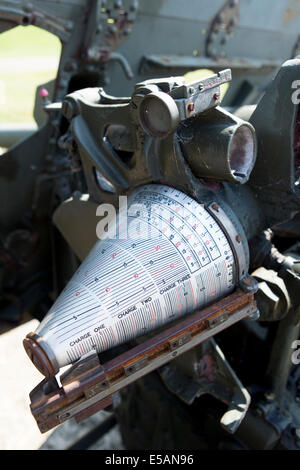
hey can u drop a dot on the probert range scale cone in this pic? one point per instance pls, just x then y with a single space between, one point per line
169 257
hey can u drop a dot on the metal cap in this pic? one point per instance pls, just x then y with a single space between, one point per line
38 356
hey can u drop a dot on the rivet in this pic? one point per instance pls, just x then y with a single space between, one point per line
215 207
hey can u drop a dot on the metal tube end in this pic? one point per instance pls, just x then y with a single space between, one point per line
38 356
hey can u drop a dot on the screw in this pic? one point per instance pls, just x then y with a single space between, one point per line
215 207
76 195
191 107
270 396
216 96
238 238
249 285
134 6
254 315
69 26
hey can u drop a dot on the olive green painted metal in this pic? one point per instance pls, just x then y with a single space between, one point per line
95 142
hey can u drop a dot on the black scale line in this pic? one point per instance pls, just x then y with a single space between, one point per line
187 223
76 327
79 323
76 315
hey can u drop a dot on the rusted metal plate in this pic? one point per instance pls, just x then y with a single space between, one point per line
82 393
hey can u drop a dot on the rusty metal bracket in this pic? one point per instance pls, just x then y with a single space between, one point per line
89 387
210 374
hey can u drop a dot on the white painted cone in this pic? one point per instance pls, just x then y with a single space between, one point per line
169 258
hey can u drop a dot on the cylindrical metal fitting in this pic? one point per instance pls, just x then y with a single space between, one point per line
222 151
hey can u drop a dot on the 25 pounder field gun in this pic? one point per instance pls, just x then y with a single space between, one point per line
176 265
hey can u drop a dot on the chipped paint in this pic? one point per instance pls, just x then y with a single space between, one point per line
291 12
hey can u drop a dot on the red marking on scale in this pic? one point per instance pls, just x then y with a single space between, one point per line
212 292
113 334
133 324
179 304
207 242
188 237
141 231
79 292
158 247
105 261
108 289
168 267
153 315
64 301
103 339
81 348
226 267
194 302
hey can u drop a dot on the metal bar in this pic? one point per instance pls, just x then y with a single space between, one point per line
196 62
81 395
10 134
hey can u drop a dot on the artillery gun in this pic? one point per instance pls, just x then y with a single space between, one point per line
199 320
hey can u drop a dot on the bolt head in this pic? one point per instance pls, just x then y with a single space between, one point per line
249 285
254 316
270 396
